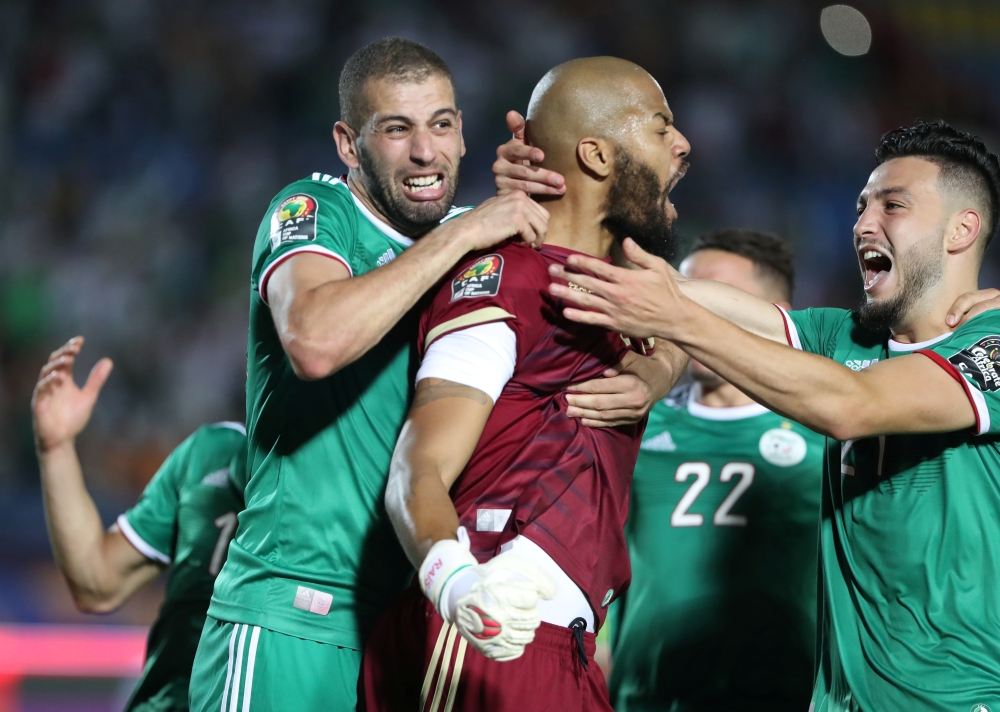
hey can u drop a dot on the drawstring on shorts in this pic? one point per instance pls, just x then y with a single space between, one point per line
579 625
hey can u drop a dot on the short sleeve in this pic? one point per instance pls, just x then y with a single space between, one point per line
151 525
970 356
814 330
306 217
487 288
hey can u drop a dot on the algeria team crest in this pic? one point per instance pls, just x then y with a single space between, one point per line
782 447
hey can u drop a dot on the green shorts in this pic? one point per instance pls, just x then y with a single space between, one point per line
246 668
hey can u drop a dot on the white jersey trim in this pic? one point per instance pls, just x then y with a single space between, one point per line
138 542
569 603
791 333
481 356
706 412
898 346
316 249
380 224
232 425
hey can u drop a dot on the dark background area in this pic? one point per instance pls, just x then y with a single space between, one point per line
140 143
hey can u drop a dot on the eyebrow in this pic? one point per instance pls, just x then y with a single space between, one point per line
668 120
883 193
407 120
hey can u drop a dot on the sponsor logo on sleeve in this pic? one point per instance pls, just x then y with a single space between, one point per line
782 447
480 279
979 362
860 364
294 219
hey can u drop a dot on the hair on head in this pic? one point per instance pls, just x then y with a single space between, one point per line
771 256
393 58
963 159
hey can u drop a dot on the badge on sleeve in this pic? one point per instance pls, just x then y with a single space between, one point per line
979 362
294 219
480 279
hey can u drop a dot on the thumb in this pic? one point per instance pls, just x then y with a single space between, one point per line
515 123
639 256
98 377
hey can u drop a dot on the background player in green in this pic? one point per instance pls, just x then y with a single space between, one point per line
722 530
184 519
315 559
910 538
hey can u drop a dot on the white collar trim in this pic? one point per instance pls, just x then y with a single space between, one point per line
736 412
378 222
900 346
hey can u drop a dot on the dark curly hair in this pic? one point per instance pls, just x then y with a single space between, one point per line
966 164
771 256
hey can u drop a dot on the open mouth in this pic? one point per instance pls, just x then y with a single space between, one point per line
876 264
422 184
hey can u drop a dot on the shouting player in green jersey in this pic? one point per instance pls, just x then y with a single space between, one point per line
910 534
722 531
338 264
184 519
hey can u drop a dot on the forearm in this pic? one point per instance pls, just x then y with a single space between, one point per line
423 514
663 368
815 391
756 315
74 525
334 323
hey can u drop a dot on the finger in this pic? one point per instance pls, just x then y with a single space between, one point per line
509 165
518 154
516 124
961 307
590 317
590 299
591 423
596 386
597 267
978 309
639 256
584 281
98 377
63 363
48 384
72 346
505 185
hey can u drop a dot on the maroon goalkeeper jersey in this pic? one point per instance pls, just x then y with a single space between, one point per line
536 471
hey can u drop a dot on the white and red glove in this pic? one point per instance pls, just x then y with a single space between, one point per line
493 605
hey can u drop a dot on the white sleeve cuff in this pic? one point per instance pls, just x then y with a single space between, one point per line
791 333
138 542
481 357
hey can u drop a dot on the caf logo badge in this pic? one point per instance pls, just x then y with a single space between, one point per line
980 708
480 279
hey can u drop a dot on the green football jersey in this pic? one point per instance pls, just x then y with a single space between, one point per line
315 555
186 518
722 533
910 540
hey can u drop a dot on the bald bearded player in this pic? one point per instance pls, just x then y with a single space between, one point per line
512 511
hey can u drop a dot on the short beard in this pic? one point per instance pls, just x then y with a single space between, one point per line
411 218
637 207
924 270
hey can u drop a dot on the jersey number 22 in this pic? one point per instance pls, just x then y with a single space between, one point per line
702 473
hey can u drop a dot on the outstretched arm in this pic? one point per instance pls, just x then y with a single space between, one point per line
814 390
101 568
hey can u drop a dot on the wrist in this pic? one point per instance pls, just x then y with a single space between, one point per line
448 564
454 239
55 448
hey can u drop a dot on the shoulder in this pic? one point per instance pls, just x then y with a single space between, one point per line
507 267
225 438
302 197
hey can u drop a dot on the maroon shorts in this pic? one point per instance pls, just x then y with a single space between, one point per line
415 661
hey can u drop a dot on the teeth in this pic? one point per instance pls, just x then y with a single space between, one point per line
419 183
869 255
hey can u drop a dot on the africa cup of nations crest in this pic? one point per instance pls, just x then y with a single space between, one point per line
294 219
480 279
979 363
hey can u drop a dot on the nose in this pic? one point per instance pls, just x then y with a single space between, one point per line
422 147
866 225
681 147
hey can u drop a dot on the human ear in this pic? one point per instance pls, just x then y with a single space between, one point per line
595 155
965 228
461 136
347 144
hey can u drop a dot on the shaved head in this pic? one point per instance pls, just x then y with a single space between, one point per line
595 96
604 123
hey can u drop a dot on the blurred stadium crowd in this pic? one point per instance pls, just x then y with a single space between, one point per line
140 143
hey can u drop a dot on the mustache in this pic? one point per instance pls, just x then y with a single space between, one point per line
682 170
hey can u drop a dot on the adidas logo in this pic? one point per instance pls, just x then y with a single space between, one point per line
219 478
661 443
387 257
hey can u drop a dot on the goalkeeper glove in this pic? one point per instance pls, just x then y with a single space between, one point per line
493 605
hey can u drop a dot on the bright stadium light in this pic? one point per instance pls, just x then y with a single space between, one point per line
846 30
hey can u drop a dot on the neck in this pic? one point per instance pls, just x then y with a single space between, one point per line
926 318
576 225
723 395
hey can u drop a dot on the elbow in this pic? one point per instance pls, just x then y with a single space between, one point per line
310 362
94 601
846 422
